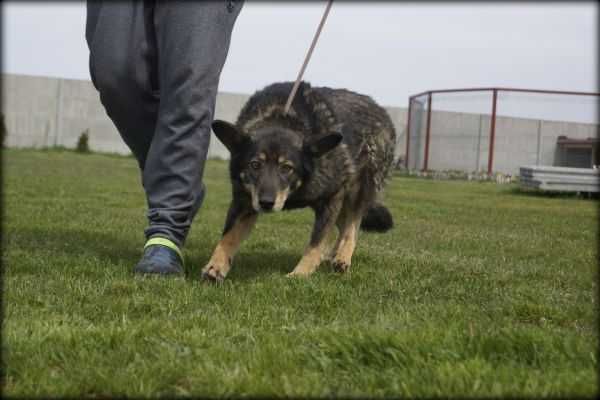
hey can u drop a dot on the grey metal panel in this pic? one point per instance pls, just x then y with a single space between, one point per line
560 178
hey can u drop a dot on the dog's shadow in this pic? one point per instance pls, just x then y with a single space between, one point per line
536 193
250 264
122 254
75 243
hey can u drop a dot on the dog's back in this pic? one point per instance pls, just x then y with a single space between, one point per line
368 132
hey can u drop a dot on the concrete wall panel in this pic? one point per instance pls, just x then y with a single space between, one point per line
399 116
30 109
515 144
454 140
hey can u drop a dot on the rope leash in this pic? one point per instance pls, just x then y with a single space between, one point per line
307 59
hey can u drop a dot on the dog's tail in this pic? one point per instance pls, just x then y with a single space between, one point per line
377 219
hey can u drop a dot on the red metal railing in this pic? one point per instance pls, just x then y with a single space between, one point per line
495 91
492 131
428 131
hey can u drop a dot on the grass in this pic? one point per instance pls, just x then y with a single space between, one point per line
479 290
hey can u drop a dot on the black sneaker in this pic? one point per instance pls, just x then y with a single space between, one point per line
159 259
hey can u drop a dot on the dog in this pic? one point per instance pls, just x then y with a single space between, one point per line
331 152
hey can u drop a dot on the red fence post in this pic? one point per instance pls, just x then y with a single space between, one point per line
492 131
427 132
408 132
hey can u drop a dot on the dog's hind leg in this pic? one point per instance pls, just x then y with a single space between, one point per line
325 217
351 215
349 226
237 228
337 236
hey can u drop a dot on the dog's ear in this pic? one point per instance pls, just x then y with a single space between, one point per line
229 135
322 144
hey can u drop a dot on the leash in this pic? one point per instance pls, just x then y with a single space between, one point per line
307 58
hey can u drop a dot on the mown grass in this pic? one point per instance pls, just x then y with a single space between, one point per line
479 290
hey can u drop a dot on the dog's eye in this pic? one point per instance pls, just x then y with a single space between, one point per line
285 168
255 164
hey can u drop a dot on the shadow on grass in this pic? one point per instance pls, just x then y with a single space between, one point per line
112 250
63 149
75 243
250 264
533 193
115 252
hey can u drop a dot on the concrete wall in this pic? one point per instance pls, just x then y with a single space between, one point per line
456 140
41 112
460 141
30 108
399 116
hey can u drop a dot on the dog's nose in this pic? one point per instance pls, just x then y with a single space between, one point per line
266 204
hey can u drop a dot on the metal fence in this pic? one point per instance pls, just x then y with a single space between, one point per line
494 129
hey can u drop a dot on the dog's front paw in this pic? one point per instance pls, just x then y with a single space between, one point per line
299 274
340 266
212 273
301 271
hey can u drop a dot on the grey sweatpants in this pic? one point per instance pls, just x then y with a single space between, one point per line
156 65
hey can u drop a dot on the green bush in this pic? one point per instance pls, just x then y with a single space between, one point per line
83 142
2 131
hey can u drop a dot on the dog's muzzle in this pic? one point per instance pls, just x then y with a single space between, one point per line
266 204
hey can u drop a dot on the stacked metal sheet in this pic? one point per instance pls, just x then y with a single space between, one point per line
560 179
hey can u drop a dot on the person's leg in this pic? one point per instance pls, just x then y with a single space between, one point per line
192 41
123 68
126 40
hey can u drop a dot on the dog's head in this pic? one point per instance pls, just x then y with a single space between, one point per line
273 162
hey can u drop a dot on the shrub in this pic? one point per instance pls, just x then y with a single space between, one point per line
83 142
2 131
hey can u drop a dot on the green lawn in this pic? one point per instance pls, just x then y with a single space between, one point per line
479 290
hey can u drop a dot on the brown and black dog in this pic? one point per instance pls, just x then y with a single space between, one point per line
332 152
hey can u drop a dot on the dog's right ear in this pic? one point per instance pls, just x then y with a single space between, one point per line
316 147
229 135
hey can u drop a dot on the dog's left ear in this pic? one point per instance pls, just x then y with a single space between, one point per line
318 146
229 135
